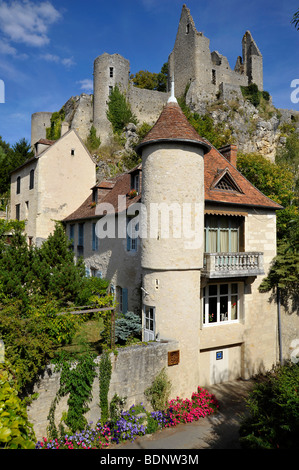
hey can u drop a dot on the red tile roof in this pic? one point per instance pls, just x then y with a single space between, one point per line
173 125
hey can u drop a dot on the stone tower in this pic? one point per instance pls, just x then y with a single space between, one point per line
39 123
109 70
172 250
207 73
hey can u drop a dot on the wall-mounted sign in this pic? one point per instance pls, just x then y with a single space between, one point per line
219 355
173 358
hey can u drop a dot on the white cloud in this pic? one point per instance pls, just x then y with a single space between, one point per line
24 21
67 61
86 84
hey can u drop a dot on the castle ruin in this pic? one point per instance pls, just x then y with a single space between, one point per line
200 74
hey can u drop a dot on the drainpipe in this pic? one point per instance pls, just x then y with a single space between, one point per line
279 325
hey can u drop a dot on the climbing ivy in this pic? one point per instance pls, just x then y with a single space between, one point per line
105 377
76 380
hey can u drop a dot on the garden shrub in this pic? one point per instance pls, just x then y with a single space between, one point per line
15 430
274 411
159 391
127 326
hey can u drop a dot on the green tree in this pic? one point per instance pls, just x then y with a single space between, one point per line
119 112
93 142
275 181
10 159
150 80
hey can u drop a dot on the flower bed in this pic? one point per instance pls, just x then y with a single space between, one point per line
137 422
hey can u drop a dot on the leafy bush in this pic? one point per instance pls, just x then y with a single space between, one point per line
93 142
158 392
15 430
274 411
119 112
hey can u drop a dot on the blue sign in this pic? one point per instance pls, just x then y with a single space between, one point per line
219 355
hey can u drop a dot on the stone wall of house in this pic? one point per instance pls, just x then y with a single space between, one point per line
133 370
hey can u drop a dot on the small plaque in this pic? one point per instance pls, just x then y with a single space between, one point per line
219 355
173 358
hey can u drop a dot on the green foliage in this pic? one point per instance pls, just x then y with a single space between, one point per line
76 380
204 125
54 132
10 159
119 112
295 20
151 81
158 392
252 94
15 430
104 377
127 326
274 411
93 142
275 181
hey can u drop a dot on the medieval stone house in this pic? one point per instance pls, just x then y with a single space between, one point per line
197 287
50 185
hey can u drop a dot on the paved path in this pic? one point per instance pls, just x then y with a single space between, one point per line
219 431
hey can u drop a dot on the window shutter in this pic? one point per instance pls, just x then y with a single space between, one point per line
99 274
125 300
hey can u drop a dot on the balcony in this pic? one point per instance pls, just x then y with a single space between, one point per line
224 265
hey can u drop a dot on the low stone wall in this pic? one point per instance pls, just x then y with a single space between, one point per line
133 370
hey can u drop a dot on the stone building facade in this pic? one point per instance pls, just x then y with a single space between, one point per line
51 184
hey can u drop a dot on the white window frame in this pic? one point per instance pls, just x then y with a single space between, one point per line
222 319
149 318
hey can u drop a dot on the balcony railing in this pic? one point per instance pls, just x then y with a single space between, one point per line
217 265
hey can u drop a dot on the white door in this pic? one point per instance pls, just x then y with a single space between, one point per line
219 371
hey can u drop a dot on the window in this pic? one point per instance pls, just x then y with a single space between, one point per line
18 185
18 211
213 77
122 299
80 247
95 240
72 235
111 72
149 323
72 151
31 179
221 303
136 182
95 272
110 90
223 234
187 28
132 235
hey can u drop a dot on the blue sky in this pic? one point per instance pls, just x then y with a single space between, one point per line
47 48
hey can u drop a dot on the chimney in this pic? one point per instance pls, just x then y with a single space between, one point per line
64 128
230 153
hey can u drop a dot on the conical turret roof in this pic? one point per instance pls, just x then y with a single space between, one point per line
173 126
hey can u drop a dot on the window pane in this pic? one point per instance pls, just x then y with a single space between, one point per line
223 308
223 289
234 288
213 290
234 241
212 310
234 307
224 241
